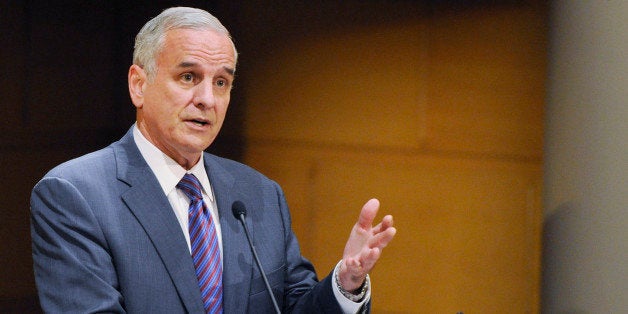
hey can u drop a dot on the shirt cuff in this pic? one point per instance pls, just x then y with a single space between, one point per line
348 306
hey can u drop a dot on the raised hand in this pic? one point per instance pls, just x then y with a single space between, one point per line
364 246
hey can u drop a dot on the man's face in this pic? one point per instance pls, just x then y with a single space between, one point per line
182 109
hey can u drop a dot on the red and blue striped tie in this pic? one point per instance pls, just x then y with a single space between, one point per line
204 245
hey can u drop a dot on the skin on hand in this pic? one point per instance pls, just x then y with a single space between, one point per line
364 246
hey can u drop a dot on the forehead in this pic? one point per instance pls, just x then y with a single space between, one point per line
197 46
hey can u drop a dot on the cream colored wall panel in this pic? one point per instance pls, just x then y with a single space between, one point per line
486 76
360 87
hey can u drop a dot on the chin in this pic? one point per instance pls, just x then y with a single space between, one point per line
199 146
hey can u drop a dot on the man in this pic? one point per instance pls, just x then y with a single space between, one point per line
145 225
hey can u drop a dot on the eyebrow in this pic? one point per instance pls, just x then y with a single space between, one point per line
187 64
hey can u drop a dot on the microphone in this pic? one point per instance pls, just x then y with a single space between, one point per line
239 212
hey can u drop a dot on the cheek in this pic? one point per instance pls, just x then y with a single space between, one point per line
170 104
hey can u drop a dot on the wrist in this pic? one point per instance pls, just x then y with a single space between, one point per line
355 295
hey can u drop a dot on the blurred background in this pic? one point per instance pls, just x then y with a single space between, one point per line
441 109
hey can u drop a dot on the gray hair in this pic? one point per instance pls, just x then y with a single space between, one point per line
150 39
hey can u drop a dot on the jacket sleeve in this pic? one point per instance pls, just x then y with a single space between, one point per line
74 271
304 293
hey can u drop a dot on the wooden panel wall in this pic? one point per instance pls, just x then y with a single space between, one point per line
439 117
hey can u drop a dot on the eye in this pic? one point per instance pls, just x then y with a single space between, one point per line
222 83
187 77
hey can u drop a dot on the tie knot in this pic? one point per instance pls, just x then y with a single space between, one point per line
190 186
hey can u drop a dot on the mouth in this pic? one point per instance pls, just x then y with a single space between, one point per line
199 122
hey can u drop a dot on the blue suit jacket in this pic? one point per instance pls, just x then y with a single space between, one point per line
105 239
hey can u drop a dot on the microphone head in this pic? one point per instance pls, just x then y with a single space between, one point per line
238 209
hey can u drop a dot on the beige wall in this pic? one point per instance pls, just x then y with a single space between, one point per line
441 119
586 169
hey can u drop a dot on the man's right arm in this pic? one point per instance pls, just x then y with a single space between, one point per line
73 269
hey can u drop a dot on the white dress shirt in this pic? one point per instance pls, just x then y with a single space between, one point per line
169 173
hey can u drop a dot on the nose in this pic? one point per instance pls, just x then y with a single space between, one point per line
204 96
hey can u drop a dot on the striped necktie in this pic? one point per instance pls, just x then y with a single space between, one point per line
204 245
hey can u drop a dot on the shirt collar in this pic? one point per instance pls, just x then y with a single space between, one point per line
168 171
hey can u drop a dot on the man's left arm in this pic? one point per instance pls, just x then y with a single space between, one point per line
334 294
360 255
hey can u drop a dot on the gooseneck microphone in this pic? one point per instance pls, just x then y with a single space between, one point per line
239 211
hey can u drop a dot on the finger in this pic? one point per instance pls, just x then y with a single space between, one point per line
368 260
377 228
354 266
382 239
368 213
386 223
350 262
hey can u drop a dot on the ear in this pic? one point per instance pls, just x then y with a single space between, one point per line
137 82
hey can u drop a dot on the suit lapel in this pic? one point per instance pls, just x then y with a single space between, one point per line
150 206
237 257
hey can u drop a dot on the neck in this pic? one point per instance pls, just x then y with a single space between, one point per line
186 163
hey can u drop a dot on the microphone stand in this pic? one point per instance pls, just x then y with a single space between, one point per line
259 264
